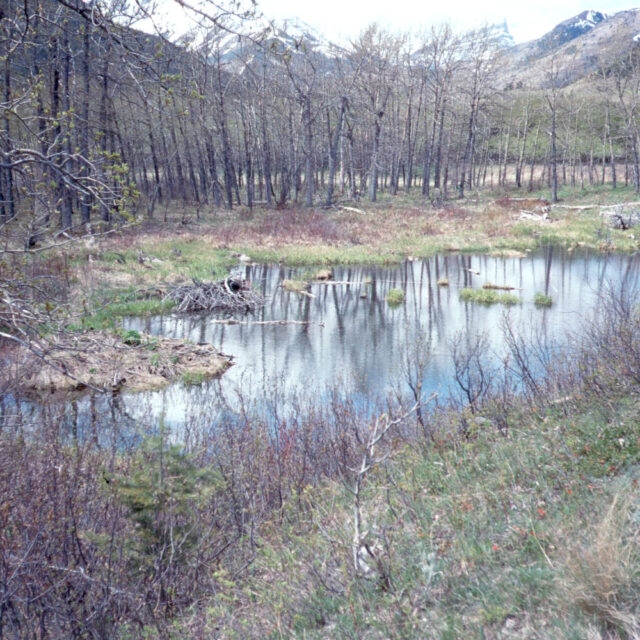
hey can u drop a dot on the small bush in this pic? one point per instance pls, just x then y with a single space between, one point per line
443 282
395 297
132 337
542 300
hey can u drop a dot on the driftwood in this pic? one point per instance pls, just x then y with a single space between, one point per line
501 287
575 207
230 294
529 215
282 322
336 282
353 209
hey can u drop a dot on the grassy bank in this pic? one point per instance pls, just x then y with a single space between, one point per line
108 274
528 535
511 515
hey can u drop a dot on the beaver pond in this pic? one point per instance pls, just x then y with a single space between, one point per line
344 335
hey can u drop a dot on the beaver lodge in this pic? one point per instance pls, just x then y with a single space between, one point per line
233 295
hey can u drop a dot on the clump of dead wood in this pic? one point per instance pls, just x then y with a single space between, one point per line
231 294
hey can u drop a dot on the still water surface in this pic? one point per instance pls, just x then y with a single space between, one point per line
353 338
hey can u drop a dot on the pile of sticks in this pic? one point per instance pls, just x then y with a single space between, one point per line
231 294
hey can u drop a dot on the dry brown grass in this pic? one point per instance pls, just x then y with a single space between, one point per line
602 575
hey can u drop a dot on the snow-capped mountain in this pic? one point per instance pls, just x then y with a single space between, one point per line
572 50
570 29
575 47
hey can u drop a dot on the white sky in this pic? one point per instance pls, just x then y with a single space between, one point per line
342 20
346 18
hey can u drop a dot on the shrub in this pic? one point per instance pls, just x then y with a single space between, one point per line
132 337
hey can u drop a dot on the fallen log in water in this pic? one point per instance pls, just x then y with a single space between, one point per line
230 294
282 322
501 287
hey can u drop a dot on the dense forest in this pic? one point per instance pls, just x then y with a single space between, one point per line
102 121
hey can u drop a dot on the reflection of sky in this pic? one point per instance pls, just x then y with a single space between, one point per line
358 341
354 339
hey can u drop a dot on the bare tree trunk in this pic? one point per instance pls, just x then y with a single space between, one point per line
467 152
7 203
85 200
66 204
523 145
533 158
333 149
373 170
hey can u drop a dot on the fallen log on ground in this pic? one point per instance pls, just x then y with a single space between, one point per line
230 294
530 215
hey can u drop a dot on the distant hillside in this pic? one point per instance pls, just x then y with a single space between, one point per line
573 49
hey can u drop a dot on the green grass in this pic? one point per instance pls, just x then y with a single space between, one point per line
190 378
474 534
395 297
488 297
542 300
107 307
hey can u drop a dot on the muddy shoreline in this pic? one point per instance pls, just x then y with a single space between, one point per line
106 362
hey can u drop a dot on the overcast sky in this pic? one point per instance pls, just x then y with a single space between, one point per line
343 19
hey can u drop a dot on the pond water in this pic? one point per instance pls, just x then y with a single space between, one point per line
351 337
